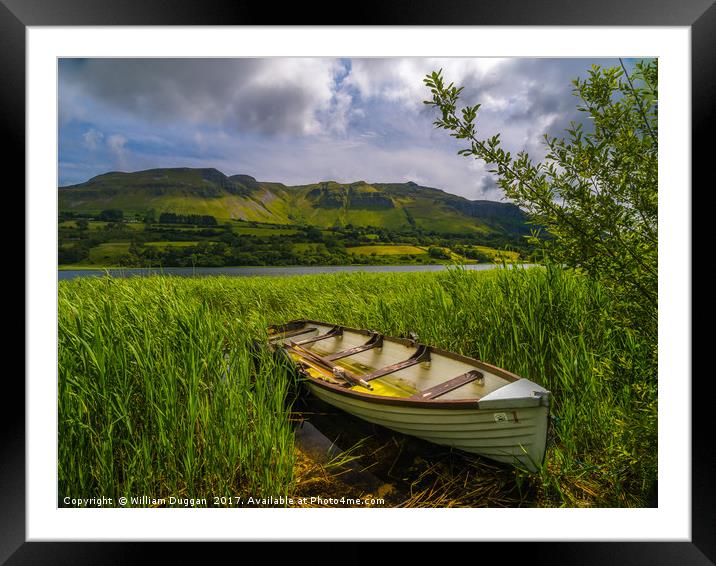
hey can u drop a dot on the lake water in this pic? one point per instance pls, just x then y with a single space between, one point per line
254 271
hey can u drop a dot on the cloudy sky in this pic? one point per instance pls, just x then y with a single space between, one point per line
297 120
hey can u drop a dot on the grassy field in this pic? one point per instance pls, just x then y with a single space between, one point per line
304 248
172 244
100 225
386 250
498 255
180 227
160 393
108 253
440 219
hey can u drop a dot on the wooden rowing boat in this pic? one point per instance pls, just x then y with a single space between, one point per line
420 390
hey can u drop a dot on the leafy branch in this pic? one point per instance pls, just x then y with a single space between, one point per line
595 193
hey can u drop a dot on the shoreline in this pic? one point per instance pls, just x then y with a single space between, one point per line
74 267
271 271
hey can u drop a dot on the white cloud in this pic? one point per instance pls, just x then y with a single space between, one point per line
115 144
340 112
401 80
92 139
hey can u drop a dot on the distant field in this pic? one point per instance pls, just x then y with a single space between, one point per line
108 253
498 254
99 225
386 250
174 244
440 219
181 227
303 248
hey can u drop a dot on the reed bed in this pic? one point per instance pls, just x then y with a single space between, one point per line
163 392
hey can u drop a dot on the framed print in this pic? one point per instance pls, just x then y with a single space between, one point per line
208 105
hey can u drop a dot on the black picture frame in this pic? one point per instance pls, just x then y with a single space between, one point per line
699 15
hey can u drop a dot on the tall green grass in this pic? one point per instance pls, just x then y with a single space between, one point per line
149 404
160 394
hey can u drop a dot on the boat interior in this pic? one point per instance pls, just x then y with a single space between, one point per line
369 362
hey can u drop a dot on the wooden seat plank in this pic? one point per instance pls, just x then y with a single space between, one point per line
422 354
376 341
332 333
450 385
293 333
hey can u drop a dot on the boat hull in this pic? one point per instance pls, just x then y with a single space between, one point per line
512 436
422 391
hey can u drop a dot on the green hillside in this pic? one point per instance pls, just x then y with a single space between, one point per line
393 206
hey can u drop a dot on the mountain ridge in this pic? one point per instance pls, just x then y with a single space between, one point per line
396 206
